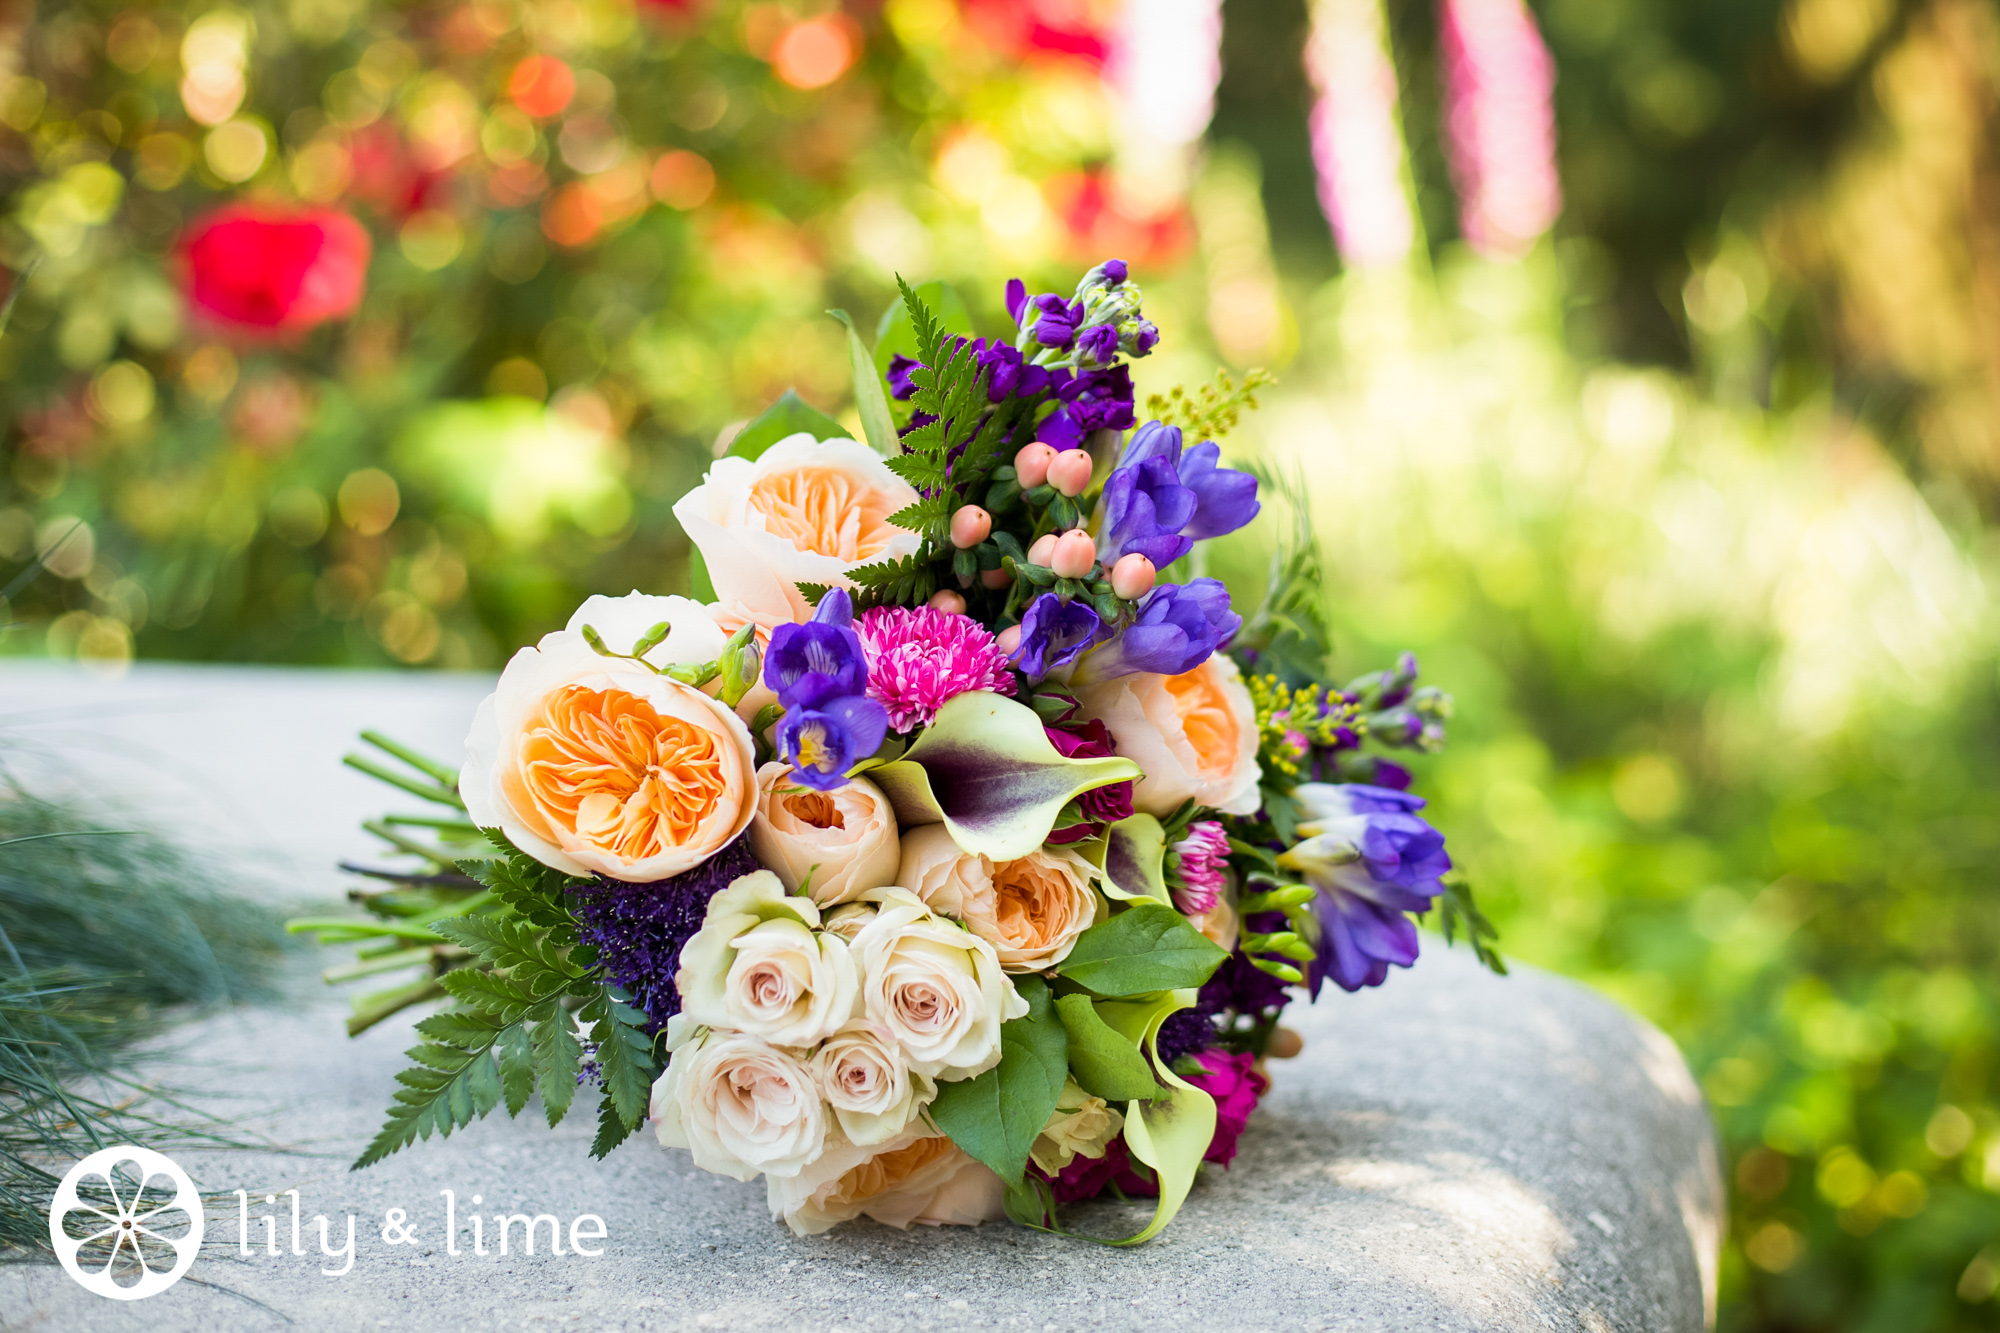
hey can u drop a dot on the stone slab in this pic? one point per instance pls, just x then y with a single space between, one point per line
1454 1151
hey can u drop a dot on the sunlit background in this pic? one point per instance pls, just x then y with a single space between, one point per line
1641 356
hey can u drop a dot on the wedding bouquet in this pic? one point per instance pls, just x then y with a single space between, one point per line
955 851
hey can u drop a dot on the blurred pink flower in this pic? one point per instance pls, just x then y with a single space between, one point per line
280 269
1357 142
1500 127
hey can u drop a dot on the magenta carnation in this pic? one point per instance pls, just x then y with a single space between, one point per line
919 658
1204 862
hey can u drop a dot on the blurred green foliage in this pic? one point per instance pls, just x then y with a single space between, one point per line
1720 629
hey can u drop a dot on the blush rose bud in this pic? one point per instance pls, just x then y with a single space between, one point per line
1075 554
1031 465
970 526
1070 472
1132 577
949 602
1043 550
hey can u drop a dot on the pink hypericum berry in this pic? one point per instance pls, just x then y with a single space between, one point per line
1043 550
944 599
1132 577
970 526
1075 554
994 578
1031 465
1010 639
1070 472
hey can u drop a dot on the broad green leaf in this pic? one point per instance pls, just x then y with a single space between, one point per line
701 586
790 415
452 1082
897 336
871 399
1173 1135
1143 949
558 1058
997 1116
1132 854
517 1067
1105 1063
986 769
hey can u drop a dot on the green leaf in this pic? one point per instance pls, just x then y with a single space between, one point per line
871 399
558 1059
790 415
701 587
1457 911
1143 949
452 1083
896 336
624 1057
987 769
1170 1136
517 1067
1131 854
530 958
1105 1063
997 1116
490 992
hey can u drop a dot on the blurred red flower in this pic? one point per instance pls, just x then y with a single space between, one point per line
1031 29
282 269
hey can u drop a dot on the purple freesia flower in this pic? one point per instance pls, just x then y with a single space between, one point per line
1054 633
1141 339
1144 509
823 743
820 660
1373 860
1225 498
1178 627
1009 373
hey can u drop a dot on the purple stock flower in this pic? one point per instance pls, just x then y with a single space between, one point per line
1115 272
1178 627
1225 498
1094 400
1053 634
1142 340
822 743
820 660
1010 375
1098 343
1373 860
1144 509
1058 320
901 386
1017 300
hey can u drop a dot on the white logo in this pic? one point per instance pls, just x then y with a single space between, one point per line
124 1226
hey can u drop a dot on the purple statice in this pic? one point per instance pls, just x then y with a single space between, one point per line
1054 633
1373 861
638 930
1144 508
1225 499
1178 627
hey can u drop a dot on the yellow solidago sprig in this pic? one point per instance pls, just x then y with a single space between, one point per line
1291 723
1210 412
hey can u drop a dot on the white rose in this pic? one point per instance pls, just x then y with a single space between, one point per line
921 1176
1030 909
741 1106
936 987
806 511
759 964
847 920
1080 1126
844 838
1194 734
596 765
873 1093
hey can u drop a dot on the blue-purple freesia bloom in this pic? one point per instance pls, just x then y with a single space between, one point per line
1225 499
1143 511
1178 627
1054 633
1374 861
819 672
820 660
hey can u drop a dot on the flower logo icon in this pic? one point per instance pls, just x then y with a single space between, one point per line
112 1219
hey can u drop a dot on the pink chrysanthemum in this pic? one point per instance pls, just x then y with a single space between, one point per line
1204 858
919 658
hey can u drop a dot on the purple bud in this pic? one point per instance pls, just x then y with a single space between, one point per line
1017 299
1115 272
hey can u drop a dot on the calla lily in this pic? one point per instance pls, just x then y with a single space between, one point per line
1170 1136
986 770
1131 855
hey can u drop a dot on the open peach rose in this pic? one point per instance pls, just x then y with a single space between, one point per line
1195 734
598 765
921 1176
806 511
844 838
1030 909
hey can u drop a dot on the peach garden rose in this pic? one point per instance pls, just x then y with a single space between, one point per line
1030 909
845 839
806 511
597 765
919 1177
1194 734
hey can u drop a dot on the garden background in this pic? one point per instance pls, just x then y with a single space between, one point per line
1641 357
